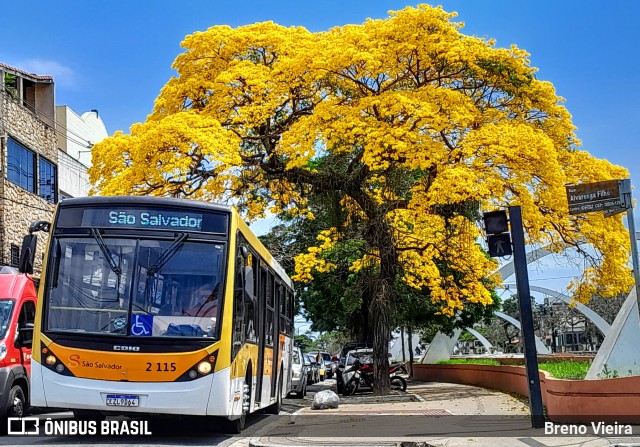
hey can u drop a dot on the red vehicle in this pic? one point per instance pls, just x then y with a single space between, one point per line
17 313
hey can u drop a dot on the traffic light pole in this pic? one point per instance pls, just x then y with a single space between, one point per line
526 316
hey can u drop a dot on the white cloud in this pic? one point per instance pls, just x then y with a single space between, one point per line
62 75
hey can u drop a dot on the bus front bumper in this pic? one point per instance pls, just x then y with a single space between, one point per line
189 398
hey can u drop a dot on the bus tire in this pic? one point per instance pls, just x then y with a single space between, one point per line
17 402
235 426
275 407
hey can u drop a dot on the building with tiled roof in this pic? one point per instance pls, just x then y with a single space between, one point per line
45 151
29 153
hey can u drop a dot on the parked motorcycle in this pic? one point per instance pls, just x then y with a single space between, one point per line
398 368
362 375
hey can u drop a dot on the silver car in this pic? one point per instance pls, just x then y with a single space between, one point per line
328 364
298 374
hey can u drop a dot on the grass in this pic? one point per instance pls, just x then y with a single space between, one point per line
566 370
559 370
469 362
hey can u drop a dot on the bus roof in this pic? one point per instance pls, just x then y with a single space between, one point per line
262 250
142 200
174 202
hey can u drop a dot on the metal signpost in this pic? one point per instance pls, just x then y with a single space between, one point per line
526 317
612 197
591 197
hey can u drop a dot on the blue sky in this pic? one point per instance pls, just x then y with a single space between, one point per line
116 55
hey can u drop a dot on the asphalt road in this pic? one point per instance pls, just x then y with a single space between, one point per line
167 431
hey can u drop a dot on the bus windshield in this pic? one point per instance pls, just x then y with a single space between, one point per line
102 284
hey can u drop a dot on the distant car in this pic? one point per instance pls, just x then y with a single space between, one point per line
364 356
328 363
313 372
341 361
299 374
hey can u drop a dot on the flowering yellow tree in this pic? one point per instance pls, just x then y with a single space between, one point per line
414 125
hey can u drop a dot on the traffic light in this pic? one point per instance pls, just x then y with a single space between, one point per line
496 224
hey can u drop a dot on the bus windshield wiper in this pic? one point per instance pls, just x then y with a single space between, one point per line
167 254
160 262
112 263
106 252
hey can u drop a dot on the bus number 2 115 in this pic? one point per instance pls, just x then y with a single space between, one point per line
161 367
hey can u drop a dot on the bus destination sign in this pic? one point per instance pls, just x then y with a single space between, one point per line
149 218
592 197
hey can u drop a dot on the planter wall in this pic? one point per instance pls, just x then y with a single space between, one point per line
578 401
546 358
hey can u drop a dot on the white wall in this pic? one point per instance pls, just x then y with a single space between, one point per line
76 135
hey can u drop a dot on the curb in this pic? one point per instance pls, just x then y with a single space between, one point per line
404 397
256 442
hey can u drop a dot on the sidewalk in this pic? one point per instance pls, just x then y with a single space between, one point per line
429 414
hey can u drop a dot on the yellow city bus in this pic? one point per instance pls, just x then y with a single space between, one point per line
158 305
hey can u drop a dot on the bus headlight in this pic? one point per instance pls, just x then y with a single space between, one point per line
3 350
50 360
204 367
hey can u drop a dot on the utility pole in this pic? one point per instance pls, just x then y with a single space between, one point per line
501 244
625 191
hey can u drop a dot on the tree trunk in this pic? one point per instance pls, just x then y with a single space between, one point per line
404 357
379 312
410 333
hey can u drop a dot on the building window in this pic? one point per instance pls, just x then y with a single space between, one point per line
21 165
15 255
29 94
47 181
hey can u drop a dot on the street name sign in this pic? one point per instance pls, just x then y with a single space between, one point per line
599 196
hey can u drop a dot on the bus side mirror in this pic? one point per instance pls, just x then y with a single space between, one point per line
27 253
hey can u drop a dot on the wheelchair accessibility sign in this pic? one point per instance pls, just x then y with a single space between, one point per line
141 325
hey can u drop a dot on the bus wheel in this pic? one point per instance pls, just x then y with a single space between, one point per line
235 426
17 402
275 407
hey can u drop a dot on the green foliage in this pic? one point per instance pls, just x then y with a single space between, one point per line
304 342
416 309
608 373
565 369
474 361
11 85
559 370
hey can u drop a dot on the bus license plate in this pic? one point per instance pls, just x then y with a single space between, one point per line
122 400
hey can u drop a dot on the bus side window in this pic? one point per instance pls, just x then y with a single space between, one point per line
248 283
250 320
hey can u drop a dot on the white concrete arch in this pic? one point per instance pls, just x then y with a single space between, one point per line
486 343
596 319
441 346
541 348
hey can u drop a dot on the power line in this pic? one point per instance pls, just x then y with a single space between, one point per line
33 105
549 279
80 141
